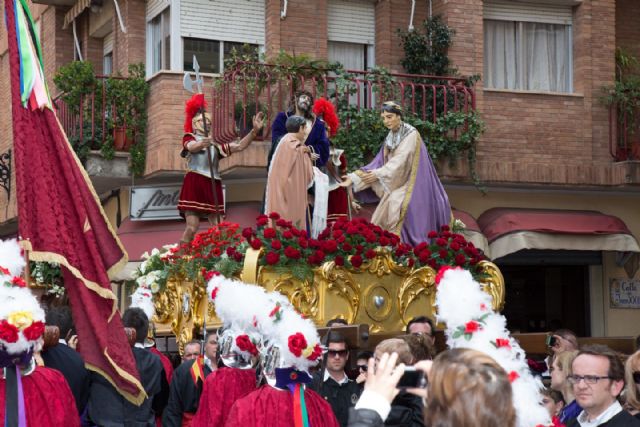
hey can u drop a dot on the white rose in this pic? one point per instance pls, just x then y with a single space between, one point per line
155 287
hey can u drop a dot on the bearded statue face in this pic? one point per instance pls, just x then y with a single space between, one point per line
303 103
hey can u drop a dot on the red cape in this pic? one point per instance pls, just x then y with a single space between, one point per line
221 390
47 398
270 407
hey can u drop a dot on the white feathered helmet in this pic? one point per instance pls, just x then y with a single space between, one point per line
21 317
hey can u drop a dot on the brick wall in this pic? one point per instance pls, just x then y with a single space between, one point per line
130 48
304 30
627 28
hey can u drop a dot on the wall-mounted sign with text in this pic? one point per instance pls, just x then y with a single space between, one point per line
624 293
154 202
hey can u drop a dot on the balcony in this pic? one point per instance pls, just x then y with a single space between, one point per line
99 133
624 132
255 86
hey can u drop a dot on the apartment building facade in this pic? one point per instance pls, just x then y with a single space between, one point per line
561 210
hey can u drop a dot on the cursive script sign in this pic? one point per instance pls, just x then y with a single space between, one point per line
154 203
625 293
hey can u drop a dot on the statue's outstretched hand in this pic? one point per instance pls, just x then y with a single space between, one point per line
258 121
346 182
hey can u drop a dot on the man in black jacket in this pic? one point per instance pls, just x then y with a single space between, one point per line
108 408
332 383
598 378
63 358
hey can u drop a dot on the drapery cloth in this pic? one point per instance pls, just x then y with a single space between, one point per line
48 399
61 220
290 175
527 56
412 201
271 407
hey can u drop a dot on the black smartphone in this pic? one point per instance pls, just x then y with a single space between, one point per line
412 378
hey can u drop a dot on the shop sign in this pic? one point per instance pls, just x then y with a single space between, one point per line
624 293
154 203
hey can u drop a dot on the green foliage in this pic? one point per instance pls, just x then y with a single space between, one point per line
364 136
426 53
75 80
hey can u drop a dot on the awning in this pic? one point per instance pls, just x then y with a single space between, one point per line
74 12
509 230
472 231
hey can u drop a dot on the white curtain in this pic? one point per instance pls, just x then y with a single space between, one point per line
527 56
353 56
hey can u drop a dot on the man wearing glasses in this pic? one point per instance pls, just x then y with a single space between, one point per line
333 383
421 325
598 378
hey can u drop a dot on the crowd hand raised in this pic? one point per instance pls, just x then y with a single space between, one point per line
384 378
258 121
73 341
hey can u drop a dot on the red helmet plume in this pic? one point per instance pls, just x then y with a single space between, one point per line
327 111
191 108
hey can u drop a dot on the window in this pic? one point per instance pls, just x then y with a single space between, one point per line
527 56
160 35
212 53
107 64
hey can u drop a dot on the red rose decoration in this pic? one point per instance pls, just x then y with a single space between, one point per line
244 344
346 247
5 271
247 233
269 233
319 255
287 235
262 221
291 252
445 228
230 251
370 254
460 259
276 244
424 256
317 352
339 260
274 216
282 223
256 244
455 246
441 242
19 282
34 331
8 332
330 246
297 343
502 342
237 256
303 242
272 258
443 253
214 293
513 375
471 326
384 241
356 261
432 234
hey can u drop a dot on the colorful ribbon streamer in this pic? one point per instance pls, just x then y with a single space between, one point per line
300 415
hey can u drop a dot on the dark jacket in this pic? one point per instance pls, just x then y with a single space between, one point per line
407 410
184 395
63 358
622 419
108 408
364 418
341 397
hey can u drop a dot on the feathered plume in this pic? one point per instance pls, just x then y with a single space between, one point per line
327 111
471 322
191 108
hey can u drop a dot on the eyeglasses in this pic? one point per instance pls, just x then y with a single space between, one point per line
363 368
334 353
636 377
588 379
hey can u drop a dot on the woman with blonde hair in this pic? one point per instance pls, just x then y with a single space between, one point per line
468 388
560 370
632 378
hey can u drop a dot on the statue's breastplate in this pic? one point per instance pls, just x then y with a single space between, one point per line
198 162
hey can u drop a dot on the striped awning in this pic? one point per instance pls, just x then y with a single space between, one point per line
74 12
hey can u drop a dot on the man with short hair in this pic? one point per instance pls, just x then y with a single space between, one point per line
565 340
192 350
337 323
63 358
598 378
332 383
422 325
107 407
187 383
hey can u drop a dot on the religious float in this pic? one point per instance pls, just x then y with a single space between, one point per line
354 270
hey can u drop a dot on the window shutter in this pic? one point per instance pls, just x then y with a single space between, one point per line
107 44
154 7
504 10
352 21
226 20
